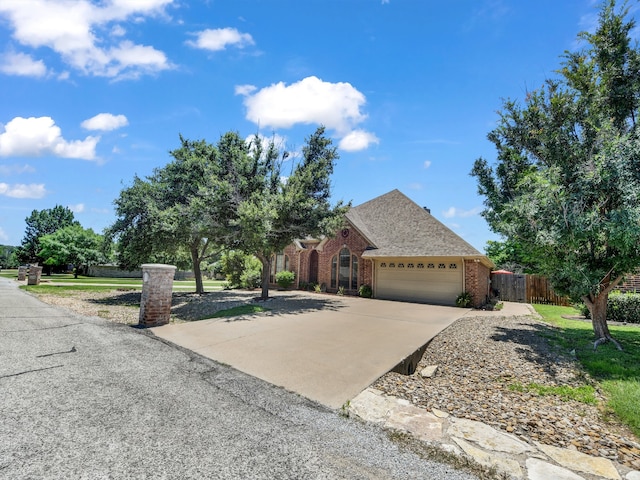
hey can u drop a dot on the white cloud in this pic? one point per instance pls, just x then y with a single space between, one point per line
80 31
452 212
105 122
357 140
21 190
415 186
34 137
427 164
22 65
79 208
245 89
3 236
16 169
309 101
220 38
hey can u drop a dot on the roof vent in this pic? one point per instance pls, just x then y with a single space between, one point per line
428 210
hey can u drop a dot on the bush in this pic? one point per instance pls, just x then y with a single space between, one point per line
365 291
464 300
285 279
240 270
621 307
252 275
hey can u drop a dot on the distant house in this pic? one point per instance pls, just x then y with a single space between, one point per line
395 246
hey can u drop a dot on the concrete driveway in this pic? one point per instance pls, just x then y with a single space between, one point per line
328 355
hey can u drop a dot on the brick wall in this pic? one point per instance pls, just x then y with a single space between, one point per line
300 260
477 281
631 284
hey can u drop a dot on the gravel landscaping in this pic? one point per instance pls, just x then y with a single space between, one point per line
482 362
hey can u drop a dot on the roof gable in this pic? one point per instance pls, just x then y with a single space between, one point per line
398 227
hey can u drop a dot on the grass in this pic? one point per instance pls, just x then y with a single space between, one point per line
239 310
583 393
617 373
83 283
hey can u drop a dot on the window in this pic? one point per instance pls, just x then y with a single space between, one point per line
453 265
344 270
421 265
401 265
410 265
279 263
431 265
442 265
383 265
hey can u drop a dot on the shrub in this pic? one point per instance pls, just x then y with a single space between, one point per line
252 275
341 291
365 291
464 300
317 288
285 279
621 307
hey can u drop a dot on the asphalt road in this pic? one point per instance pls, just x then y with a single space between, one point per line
84 398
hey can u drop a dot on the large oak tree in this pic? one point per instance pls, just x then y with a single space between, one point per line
566 183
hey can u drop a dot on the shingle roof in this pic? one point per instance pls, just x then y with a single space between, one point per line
396 226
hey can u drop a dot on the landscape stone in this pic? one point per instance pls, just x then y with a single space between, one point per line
429 371
581 462
632 475
420 423
539 470
487 437
506 465
439 413
371 407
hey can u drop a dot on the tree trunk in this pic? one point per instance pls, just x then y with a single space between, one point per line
197 273
266 271
598 308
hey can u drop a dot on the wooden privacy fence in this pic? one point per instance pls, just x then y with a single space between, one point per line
525 289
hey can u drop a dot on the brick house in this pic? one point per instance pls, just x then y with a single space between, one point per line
395 246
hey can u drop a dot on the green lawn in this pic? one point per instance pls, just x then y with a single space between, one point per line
92 283
617 373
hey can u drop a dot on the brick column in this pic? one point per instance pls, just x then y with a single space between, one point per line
35 273
155 303
22 273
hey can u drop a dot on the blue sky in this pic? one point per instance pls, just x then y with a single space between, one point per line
94 92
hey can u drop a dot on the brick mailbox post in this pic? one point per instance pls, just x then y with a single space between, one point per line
155 303
22 273
35 273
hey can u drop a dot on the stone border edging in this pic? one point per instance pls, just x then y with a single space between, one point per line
483 444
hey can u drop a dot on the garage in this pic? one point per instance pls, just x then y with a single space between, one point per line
433 280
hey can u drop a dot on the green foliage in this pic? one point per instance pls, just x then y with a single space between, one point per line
317 288
172 216
71 245
271 212
583 393
566 185
240 269
616 372
512 256
239 310
464 300
285 279
231 195
341 291
39 223
9 256
623 307
365 291
252 275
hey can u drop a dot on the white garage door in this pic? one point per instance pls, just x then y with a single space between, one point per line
427 281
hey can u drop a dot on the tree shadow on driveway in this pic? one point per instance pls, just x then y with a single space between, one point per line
189 307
